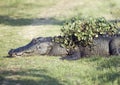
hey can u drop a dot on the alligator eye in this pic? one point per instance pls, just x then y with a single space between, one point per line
39 47
34 40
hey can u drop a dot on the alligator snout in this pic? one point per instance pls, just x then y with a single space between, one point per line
12 53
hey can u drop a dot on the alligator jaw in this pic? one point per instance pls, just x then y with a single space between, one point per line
11 53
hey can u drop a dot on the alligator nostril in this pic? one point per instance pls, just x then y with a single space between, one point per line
11 52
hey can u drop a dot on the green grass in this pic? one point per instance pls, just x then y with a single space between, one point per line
24 8
44 70
22 20
109 9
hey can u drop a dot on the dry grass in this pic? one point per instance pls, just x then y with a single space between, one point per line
22 20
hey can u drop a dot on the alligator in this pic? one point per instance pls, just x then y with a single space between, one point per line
114 46
103 46
39 46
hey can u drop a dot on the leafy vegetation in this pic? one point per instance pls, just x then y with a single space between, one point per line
82 31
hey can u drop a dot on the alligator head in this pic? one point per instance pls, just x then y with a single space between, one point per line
38 46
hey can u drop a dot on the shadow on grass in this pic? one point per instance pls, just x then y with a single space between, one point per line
26 21
113 61
115 21
113 65
7 20
110 77
27 77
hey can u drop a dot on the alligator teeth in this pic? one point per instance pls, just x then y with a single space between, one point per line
19 54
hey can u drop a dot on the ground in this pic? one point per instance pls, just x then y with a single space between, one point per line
22 20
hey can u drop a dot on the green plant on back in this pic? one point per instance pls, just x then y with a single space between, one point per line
82 31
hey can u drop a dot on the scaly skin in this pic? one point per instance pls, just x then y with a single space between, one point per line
103 46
